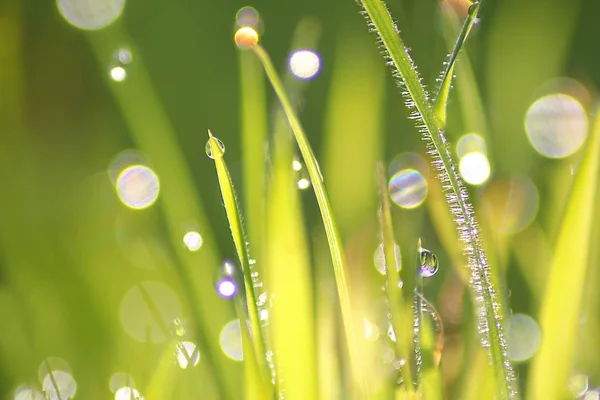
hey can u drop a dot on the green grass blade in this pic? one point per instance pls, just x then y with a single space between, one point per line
441 99
333 237
561 304
233 216
488 303
400 317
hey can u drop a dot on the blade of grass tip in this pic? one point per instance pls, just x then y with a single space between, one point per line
441 99
215 150
393 284
333 237
488 304
559 318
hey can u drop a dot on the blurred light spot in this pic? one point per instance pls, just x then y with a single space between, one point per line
143 304
127 393
303 183
65 385
474 168
90 14
123 56
187 354
118 74
510 204
119 380
296 165
470 143
592 394
137 187
29 393
379 258
523 337
248 16
408 161
231 340
192 240
556 125
371 330
226 288
408 188
304 64
246 37
578 385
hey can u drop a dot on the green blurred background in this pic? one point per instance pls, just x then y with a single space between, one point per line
70 251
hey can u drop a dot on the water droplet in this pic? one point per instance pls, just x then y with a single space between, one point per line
473 8
261 301
192 240
217 147
408 188
246 37
391 334
303 183
118 73
379 259
400 284
429 263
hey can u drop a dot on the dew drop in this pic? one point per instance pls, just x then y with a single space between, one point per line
391 334
473 8
216 149
429 263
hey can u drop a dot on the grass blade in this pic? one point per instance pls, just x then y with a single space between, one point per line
488 303
215 150
441 99
559 317
333 237
398 309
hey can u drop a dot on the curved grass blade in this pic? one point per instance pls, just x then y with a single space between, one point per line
237 233
561 304
488 303
441 99
393 292
333 237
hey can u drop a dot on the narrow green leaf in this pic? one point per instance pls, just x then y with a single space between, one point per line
400 318
333 237
441 99
488 303
215 150
561 304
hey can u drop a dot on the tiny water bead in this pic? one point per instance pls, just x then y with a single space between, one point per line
246 37
304 64
474 168
137 187
121 58
231 340
429 263
379 258
187 355
523 337
556 125
90 14
408 188
192 240
214 147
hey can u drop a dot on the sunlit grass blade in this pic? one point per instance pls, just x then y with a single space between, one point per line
216 150
432 344
564 293
488 303
441 99
333 238
397 307
289 278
